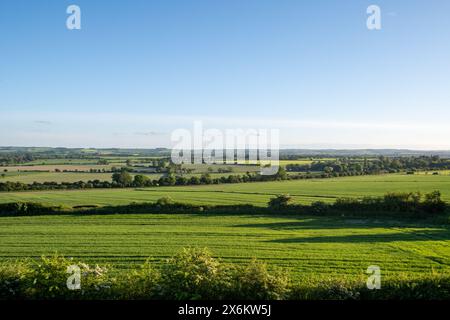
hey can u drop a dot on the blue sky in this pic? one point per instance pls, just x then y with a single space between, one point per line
137 70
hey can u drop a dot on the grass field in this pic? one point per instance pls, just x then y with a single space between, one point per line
53 167
305 246
30 177
54 172
63 162
303 191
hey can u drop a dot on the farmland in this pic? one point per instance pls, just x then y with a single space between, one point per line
74 170
306 246
258 193
30 177
58 177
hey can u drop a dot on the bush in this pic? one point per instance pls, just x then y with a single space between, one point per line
347 204
280 201
10 208
141 283
254 282
426 287
49 280
195 274
319 207
433 203
13 280
192 274
32 208
28 208
335 290
165 201
402 202
409 204
122 178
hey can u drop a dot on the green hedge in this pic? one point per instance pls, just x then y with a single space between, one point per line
29 208
194 274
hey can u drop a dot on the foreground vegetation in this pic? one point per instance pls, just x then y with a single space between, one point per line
310 246
195 274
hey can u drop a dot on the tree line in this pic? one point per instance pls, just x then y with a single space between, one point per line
414 203
15 158
123 179
382 164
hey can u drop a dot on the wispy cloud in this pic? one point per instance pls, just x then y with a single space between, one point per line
132 130
174 121
43 122
150 133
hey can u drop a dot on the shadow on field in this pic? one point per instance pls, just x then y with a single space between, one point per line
324 223
420 235
329 197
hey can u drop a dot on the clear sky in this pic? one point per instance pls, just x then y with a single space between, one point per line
139 69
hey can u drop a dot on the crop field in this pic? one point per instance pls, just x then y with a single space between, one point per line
30 177
306 246
81 172
62 162
42 176
303 161
53 167
233 168
440 172
258 193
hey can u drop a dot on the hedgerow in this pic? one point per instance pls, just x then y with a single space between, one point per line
194 274
410 205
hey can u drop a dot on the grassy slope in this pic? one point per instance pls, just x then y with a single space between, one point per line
30 177
306 246
304 191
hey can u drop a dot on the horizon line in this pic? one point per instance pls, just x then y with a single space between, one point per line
281 148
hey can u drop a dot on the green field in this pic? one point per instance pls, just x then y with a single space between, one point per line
41 176
303 191
53 167
304 245
62 162
30 177
52 172
307 246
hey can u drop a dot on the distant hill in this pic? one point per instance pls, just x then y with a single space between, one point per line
166 152
364 152
87 151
